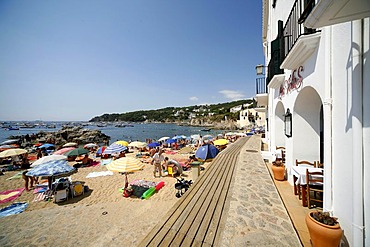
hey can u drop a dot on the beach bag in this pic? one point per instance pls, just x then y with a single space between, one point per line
127 192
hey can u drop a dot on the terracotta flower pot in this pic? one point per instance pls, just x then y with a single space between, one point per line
323 235
279 172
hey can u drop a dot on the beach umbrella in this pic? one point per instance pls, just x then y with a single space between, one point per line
122 143
114 148
52 169
195 137
153 144
70 144
9 142
220 142
47 146
163 138
76 152
206 152
63 150
4 147
48 158
169 141
101 150
179 137
230 134
37 144
137 144
90 145
12 152
207 137
125 164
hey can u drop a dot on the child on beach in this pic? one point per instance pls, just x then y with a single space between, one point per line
157 161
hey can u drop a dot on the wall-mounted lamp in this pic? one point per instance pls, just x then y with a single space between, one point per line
288 123
260 69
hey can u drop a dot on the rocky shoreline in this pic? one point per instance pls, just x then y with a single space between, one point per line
77 134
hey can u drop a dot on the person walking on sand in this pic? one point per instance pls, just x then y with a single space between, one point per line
27 179
157 161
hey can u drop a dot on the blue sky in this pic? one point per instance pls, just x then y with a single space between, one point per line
73 60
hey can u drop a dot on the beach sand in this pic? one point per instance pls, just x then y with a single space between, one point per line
100 217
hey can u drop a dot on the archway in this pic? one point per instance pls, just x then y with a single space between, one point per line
279 125
307 125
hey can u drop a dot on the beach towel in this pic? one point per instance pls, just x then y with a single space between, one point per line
10 195
40 189
170 152
15 208
39 197
16 176
94 163
99 174
105 161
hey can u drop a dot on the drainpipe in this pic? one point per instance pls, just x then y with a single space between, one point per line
328 126
357 127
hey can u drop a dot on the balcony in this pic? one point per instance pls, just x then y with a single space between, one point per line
261 92
297 38
330 12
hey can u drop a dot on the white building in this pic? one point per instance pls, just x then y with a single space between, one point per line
318 66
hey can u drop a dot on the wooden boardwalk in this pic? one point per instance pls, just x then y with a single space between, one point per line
197 218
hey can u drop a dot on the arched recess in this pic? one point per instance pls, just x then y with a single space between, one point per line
307 125
279 125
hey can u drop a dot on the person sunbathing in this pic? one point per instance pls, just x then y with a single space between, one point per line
86 160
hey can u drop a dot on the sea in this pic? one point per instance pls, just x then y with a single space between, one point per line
134 131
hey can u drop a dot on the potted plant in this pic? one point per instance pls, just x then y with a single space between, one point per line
324 230
278 169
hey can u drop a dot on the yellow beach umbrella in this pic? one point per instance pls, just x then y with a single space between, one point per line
125 164
122 143
12 152
220 142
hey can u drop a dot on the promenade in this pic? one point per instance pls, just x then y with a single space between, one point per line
244 208
256 214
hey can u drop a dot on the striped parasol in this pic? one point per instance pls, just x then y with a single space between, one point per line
114 148
63 150
51 169
48 158
125 164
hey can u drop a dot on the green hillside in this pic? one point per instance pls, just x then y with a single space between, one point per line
214 112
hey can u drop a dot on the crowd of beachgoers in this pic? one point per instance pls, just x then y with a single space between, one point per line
107 198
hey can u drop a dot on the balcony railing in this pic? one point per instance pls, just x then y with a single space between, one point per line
261 86
294 28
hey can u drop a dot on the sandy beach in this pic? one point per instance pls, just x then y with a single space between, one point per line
98 218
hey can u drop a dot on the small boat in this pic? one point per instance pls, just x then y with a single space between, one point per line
12 128
205 130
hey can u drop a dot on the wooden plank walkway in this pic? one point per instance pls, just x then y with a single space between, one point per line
196 219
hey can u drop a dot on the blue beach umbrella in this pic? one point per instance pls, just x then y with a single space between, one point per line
154 144
52 168
206 152
169 141
47 146
179 137
114 148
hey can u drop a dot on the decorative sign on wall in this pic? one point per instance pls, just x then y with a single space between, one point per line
294 82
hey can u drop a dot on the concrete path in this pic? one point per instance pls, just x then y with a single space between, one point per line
256 214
